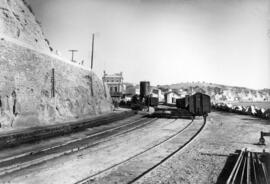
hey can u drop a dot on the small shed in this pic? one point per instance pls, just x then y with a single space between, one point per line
158 94
171 96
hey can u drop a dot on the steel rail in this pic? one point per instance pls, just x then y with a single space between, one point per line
17 167
260 179
248 168
265 173
134 156
170 155
243 170
254 168
235 167
64 144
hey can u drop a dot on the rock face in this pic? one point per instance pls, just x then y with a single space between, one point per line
37 88
18 22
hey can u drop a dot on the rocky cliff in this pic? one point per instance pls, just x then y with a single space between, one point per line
36 87
17 21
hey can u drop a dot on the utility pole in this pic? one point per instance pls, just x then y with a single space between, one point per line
52 84
72 54
92 53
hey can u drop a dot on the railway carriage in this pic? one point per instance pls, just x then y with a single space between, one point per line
181 103
198 104
138 103
151 101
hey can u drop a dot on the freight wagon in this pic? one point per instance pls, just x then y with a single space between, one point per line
139 104
181 103
151 101
198 104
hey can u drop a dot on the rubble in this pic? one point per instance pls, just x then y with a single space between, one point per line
239 109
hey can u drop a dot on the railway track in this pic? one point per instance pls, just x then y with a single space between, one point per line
37 134
22 161
89 179
169 156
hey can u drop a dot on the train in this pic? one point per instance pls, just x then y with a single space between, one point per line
138 103
198 104
144 100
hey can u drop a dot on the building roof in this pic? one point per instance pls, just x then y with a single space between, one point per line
172 92
113 75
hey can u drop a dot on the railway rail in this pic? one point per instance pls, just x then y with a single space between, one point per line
249 168
22 161
170 155
90 178
32 135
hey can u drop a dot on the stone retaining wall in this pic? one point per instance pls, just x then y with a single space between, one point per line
26 97
18 22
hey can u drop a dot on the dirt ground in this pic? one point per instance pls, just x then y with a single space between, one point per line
203 160
200 162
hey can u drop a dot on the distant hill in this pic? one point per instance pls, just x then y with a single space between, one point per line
220 92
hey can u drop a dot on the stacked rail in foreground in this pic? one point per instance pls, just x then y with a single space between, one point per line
250 168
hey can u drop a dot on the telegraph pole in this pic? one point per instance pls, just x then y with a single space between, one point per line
72 54
92 53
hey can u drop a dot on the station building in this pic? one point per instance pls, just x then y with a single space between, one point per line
171 96
114 83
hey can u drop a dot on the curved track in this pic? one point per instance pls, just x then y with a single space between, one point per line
25 160
88 179
169 156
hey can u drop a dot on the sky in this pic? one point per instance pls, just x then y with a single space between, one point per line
165 41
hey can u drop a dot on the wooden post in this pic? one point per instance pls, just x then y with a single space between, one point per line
72 54
52 84
92 53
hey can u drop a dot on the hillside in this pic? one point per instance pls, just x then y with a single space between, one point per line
220 92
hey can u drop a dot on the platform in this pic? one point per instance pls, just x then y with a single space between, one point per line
20 136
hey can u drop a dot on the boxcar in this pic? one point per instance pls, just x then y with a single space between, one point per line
186 101
151 101
199 104
181 103
191 104
206 104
